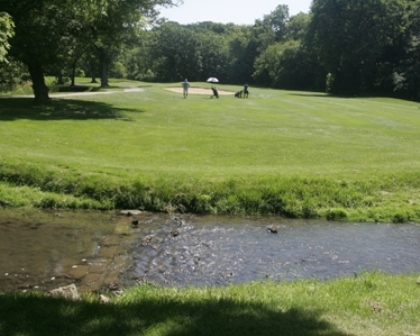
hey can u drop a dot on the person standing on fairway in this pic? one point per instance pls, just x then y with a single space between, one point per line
185 87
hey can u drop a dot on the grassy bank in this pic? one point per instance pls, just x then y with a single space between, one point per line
295 154
366 305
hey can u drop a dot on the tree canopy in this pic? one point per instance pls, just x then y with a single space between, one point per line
341 46
45 30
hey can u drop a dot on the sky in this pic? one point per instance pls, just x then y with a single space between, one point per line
230 11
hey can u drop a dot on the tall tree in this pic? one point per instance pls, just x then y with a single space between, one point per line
407 75
42 27
245 44
37 37
114 22
287 64
291 66
350 36
277 20
248 42
176 52
297 26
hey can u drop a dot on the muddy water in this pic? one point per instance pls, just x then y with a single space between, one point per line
44 250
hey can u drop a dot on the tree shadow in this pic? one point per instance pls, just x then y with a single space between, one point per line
40 316
12 109
343 96
321 95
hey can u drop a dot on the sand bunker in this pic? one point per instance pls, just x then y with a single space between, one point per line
200 91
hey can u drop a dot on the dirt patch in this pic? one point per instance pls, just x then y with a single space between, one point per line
133 90
200 91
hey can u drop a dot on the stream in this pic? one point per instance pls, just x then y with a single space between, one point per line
103 250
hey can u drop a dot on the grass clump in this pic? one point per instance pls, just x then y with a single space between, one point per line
293 154
289 197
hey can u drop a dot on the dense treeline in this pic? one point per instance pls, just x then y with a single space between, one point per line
347 47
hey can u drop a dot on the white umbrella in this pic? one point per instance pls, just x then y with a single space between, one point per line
212 80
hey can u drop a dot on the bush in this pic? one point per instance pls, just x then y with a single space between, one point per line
337 215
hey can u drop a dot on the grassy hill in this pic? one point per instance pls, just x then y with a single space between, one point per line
296 154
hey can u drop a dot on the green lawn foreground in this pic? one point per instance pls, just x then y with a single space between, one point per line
370 304
294 154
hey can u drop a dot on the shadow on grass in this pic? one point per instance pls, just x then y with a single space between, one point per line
76 88
321 95
59 109
337 96
40 316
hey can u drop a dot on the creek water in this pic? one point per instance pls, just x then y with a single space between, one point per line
44 250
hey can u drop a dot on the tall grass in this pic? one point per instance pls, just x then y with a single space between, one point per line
295 154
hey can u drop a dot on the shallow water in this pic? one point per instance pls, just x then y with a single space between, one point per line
96 251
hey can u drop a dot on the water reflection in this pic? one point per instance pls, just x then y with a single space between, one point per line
97 250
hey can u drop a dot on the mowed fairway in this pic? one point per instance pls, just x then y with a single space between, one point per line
271 137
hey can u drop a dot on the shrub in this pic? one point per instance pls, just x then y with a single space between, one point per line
337 215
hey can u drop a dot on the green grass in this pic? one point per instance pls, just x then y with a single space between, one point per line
296 154
370 304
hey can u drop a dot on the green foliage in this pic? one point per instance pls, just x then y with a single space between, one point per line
177 50
53 35
330 80
297 26
14 77
337 215
406 77
6 32
351 36
284 64
277 20
367 47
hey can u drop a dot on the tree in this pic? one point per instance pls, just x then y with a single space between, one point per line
12 74
214 51
350 36
44 26
213 45
277 21
6 32
289 66
297 26
176 52
116 21
36 39
247 43
407 74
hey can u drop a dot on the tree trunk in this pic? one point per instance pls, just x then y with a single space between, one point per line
60 79
73 73
104 73
92 71
38 82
